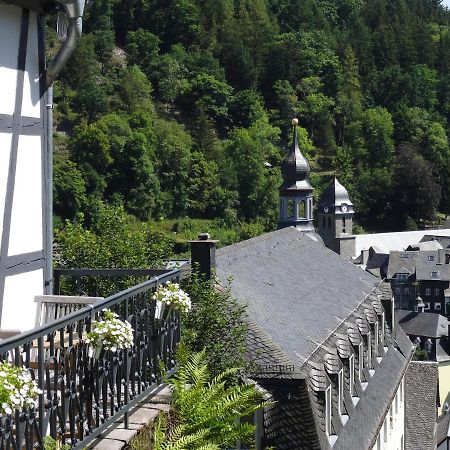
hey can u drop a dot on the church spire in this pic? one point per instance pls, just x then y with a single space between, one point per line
295 167
296 201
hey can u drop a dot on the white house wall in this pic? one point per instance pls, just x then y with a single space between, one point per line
27 199
392 433
25 247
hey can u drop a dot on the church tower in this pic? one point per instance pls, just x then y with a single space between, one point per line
335 220
296 198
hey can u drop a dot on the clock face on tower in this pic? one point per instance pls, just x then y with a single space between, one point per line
344 208
325 209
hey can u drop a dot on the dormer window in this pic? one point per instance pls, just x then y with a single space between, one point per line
430 257
341 392
434 274
328 410
375 336
360 360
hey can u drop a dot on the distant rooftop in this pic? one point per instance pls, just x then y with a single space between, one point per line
393 241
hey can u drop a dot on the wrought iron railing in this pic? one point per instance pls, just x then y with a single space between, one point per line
82 396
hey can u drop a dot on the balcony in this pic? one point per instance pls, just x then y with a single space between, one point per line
82 396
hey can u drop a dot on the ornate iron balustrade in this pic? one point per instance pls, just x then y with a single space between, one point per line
82 396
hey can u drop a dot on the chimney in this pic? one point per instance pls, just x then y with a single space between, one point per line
203 255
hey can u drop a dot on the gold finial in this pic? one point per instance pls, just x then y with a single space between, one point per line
294 122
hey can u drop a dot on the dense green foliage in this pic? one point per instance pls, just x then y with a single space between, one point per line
173 108
207 410
215 323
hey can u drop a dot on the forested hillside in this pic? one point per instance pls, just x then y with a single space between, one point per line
174 108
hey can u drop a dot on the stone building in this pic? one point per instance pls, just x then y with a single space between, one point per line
335 220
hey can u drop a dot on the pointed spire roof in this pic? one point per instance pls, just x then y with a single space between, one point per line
335 195
295 168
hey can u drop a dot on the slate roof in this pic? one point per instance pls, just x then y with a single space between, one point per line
427 245
287 280
401 262
424 271
360 432
430 325
334 196
420 405
307 309
443 240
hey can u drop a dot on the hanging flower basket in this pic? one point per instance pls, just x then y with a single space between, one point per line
109 334
169 297
17 389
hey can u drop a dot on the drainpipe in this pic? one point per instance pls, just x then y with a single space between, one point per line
74 12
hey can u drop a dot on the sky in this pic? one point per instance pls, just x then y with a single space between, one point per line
446 2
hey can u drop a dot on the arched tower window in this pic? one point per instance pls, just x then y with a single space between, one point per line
290 208
302 210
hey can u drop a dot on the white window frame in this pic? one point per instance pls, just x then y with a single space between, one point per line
341 392
428 292
434 274
328 410
375 335
437 291
351 378
430 257
369 350
427 306
437 306
360 360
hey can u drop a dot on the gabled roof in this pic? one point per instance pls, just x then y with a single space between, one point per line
430 325
393 241
401 262
296 289
437 272
307 308
428 245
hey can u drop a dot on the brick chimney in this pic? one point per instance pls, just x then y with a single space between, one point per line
203 255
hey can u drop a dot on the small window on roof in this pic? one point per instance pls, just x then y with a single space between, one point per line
434 274
430 257
405 255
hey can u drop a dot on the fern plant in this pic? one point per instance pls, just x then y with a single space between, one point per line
212 409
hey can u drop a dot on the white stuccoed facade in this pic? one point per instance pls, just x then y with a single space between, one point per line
23 189
392 433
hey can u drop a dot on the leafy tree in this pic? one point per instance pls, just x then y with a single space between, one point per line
69 190
377 129
416 193
142 49
216 324
249 149
135 89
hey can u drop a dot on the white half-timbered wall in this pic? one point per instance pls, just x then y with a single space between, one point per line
24 181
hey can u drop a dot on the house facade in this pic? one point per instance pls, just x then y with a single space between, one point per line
26 153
